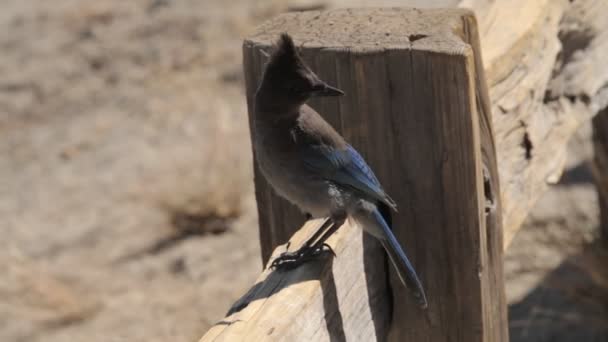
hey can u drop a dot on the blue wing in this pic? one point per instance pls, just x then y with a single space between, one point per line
345 167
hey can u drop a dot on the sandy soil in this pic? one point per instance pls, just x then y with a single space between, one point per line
126 192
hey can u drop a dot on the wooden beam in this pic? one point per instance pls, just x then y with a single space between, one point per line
545 76
417 108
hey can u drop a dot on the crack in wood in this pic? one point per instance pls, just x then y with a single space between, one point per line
527 145
490 203
415 37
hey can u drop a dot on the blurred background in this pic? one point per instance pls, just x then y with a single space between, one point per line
127 209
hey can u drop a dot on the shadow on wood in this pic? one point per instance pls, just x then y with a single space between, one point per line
332 299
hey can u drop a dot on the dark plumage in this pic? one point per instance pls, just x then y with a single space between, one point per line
307 162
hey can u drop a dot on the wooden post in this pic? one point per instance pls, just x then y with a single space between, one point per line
535 113
417 109
600 149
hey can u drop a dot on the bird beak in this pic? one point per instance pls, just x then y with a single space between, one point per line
324 89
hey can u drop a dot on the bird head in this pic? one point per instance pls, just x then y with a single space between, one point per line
288 78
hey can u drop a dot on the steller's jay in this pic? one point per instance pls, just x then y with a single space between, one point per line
308 163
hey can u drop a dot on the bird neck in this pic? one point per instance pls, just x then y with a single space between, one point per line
269 107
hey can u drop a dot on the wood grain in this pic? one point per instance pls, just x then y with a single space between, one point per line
412 110
546 75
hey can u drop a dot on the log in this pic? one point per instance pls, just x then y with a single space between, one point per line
417 108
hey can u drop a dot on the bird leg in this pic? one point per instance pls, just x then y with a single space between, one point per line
320 244
312 248
324 226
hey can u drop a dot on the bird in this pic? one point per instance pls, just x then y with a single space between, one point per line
312 166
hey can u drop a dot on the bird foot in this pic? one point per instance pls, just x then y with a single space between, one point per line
290 260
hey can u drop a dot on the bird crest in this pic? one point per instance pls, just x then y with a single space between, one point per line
285 45
285 55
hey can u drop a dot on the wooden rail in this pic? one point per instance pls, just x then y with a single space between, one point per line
418 110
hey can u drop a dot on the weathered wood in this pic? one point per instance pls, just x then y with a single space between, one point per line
600 159
545 77
415 94
328 300
544 63
492 236
545 72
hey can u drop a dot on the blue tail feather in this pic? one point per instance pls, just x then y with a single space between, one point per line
402 264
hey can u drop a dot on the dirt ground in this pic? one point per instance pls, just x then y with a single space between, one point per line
126 199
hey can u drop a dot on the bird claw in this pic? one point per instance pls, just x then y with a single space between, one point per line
290 260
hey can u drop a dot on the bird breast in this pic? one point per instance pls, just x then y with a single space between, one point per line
285 171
